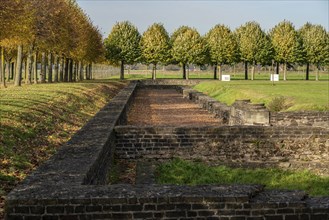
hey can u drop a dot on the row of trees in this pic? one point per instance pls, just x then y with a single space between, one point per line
55 33
283 44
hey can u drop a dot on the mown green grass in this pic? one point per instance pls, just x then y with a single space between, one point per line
36 119
300 95
182 172
161 74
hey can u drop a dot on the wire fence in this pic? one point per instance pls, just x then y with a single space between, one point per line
104 71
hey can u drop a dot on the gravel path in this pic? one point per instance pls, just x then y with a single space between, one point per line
167 107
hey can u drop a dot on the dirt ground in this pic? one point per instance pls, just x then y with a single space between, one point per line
167 107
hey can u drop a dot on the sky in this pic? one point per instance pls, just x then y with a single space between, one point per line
203 15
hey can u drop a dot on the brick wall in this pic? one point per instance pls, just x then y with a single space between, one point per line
315 119
242 112
284 146
243 202
72 183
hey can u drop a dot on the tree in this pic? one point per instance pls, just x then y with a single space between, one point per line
122 45
286 44
155 46
316 45
223 48
15 24
188 47
2 67
254 45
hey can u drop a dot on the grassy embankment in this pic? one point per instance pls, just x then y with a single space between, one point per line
182 172
36 119
298 95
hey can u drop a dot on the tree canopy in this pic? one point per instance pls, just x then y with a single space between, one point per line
48 26
188 47
316 45
155 46
286 44
223 47
122 44
254 46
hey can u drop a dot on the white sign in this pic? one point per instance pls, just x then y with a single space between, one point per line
274 77
226 78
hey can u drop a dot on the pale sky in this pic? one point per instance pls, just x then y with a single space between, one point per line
203 15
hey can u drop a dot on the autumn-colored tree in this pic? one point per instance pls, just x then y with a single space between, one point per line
188 47
223 47
15 21
122 45
316 46
254 45
155 46
286 44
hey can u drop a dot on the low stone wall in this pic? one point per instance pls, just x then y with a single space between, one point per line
85 159
167 202
242 112
273 146
163 82
311 119
220 110
72 184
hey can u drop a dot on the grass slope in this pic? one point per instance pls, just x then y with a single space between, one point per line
36 119
301 95
183 172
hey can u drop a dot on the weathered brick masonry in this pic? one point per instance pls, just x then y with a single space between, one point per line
235 145
72 184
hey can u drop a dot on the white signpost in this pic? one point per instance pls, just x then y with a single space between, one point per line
226 78
274 77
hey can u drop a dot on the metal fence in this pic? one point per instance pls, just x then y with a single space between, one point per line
104 71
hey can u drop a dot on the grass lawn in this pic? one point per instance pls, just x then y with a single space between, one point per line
182 172
299 95
147 74
36 119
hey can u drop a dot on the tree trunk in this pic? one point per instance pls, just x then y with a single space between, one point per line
50 68
184 71
43 67
70 70
285 71
122 70
154 71
12 75
62 69
86 71
215 71
220 72
90 71
252 71
25 69
8 64
35 67
66 72
277 68
3 72
80 71
74 73
307 71
29 66
188 72
317 73
18 77
56 66
246 70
